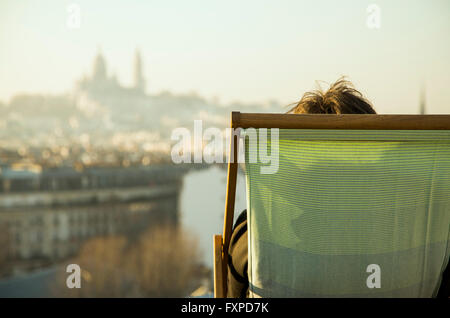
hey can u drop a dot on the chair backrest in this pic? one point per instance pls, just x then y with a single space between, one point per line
350 213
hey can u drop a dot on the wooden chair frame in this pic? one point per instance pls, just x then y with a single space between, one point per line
303 121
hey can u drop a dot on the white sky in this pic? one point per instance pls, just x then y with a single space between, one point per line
247 50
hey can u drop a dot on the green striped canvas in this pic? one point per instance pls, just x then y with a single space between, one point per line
343 201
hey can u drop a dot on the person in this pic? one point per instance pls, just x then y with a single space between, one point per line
340 98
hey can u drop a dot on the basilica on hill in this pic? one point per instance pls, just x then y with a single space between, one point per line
101 86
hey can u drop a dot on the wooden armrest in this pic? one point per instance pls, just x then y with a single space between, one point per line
219 283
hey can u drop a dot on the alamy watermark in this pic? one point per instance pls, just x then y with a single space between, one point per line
74 279
209 146
73 16
374 16
374 279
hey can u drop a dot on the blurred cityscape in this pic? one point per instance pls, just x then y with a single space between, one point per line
91 168
86 172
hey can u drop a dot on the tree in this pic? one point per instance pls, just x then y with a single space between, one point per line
162 262
5 248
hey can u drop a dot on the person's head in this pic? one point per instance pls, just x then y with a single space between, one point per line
340 98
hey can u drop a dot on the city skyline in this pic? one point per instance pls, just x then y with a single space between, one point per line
252 53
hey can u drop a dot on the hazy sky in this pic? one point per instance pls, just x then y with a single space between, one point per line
236 50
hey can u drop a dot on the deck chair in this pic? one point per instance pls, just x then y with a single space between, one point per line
359 206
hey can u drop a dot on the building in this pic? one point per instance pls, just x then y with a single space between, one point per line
422 104
99 84
46 216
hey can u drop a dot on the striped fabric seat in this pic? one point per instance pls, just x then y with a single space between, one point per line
350 213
